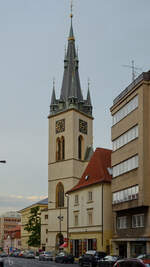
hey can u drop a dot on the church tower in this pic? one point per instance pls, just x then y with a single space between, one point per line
70 143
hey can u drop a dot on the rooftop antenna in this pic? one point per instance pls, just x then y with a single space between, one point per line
134 72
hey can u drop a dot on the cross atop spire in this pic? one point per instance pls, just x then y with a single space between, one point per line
71 35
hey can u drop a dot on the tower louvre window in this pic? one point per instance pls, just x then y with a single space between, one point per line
80 147
63 148
60 148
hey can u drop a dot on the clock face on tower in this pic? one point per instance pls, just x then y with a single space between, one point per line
60 126
83 127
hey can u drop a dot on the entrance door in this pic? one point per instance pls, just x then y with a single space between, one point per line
123 250
76 244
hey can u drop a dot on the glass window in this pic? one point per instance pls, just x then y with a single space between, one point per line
76 219
122 222
90 220
125 166
138 220
76 199
89 196
126 194
124 111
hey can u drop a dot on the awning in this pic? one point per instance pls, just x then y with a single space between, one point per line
64 245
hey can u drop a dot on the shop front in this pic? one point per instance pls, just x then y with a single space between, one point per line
80 246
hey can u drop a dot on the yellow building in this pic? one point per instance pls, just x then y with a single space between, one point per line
131 169
90 207
25 213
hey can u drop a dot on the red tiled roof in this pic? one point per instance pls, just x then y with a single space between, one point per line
96 170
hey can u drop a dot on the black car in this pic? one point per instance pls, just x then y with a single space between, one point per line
64 257
91 258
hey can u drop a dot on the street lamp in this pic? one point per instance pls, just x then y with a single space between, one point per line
60 218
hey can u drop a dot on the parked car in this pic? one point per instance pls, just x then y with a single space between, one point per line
3 254
109 258
15 253
64 257
130 263
1 262
46 256
91 258
30 255
145 258
21 253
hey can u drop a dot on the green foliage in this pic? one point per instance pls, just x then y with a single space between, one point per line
34 227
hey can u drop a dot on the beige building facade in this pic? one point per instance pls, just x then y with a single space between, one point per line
90 207
131 168
70 144
25 214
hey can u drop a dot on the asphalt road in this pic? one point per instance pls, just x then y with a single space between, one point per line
19 262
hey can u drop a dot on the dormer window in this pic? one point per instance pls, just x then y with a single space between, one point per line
86 177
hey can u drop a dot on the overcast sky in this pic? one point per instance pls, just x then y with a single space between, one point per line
33 34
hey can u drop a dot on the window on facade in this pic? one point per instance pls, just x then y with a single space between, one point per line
46 217
46 240
60 195
125 166
90 218
126 194
89 196
76 219
76 199
125 110
138 220
46 231
122 222
80 147
125 138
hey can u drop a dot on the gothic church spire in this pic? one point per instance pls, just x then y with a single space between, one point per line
71 93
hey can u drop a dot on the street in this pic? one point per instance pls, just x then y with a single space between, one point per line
20 262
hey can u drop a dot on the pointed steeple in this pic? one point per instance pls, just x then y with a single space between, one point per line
53 105
88 100
71 93
70 66
53 97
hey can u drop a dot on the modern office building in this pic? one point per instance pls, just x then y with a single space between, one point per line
131 168
8 220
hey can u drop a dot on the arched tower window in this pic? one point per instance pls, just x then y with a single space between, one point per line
59 195
58 149
80 147
63 148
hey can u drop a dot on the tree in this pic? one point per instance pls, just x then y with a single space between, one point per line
34 227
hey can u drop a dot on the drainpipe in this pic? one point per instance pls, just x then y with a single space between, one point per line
102 216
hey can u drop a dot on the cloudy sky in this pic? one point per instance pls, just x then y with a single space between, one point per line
33 34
